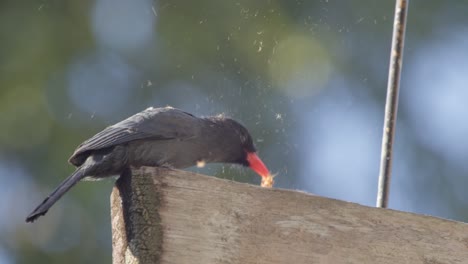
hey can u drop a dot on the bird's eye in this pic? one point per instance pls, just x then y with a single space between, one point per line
243 138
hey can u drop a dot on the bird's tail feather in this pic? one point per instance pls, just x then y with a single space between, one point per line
56 194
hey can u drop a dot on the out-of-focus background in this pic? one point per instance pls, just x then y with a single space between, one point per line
308 79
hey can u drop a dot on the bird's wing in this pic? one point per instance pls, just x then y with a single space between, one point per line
152 123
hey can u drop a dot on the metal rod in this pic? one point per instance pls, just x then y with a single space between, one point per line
391 105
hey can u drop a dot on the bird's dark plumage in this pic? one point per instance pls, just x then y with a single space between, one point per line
156 137
150 124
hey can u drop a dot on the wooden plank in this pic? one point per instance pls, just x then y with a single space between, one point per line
183 217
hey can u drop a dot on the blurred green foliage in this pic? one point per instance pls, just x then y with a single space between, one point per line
257 46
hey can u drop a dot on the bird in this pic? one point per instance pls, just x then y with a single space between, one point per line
159 137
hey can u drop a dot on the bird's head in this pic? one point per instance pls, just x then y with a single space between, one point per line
246 153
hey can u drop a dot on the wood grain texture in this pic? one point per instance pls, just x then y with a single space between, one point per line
201 219
136 225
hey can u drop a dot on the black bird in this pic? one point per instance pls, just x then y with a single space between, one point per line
158 137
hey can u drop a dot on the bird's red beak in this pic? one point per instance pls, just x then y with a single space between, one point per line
257 165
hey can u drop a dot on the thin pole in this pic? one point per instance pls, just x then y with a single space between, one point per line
391 105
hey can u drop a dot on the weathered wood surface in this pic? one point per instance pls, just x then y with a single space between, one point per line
172 216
